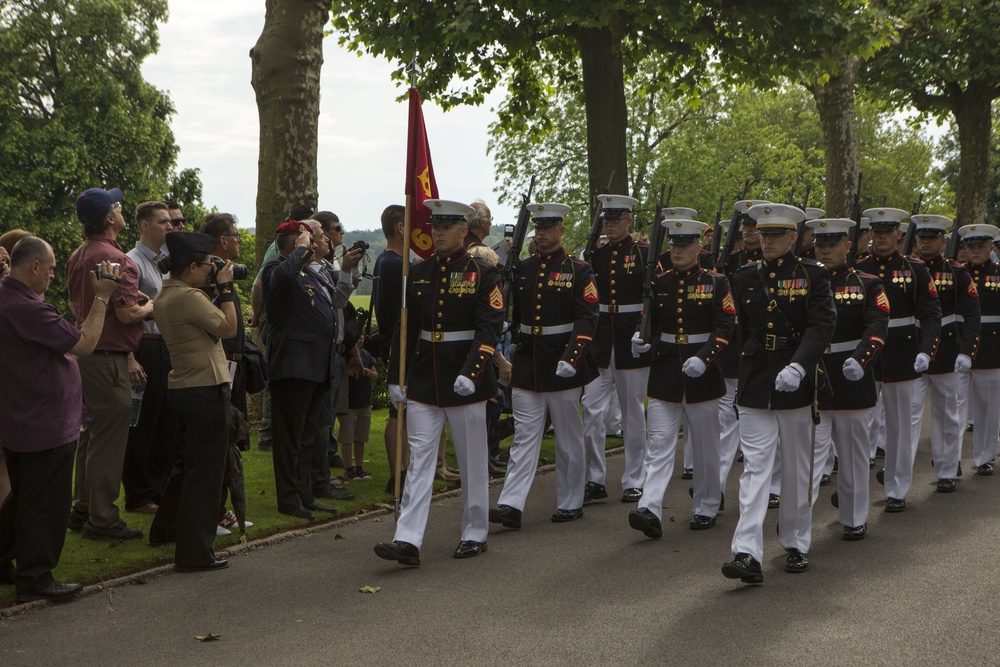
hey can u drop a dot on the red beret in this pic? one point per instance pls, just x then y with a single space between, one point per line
293 227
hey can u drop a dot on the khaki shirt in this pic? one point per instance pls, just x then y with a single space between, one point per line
186 317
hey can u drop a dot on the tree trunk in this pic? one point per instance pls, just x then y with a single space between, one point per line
839 120
607 116
973 114
286 64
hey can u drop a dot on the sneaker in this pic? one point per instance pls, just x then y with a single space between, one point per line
222 532
229 521
362 473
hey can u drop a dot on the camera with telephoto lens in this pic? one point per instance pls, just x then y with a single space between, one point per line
240 271
360 244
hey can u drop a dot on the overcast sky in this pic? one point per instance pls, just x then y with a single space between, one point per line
203 63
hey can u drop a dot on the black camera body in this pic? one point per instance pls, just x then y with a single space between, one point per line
360 244
100 274
240 271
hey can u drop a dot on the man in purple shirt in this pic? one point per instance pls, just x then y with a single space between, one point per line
40 422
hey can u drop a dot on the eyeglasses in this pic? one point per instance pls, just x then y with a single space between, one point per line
117 206
337 229
178 222
204 263
238 236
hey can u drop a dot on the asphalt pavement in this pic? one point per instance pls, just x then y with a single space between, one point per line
918 590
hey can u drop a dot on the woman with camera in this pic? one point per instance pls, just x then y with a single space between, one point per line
198 389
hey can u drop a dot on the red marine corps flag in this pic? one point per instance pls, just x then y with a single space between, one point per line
420 184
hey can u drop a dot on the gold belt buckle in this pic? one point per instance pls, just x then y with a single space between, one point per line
437 336
537 331
613 309
682 339
770 342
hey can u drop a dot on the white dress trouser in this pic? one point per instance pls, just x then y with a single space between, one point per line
424 426
876 426
763 432
529 422
630 386
965 412
947 428
701 436
729 432
900 444
984 403
847 433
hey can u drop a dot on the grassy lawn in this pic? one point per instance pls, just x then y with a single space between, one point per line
89 561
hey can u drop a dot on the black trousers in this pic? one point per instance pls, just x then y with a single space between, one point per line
189 510
151 450
295 409
34 517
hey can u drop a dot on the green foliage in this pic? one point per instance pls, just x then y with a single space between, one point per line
76 113
947 171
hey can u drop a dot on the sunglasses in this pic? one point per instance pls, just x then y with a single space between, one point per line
178 222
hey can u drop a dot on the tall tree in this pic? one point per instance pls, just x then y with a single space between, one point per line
76 113
469 47
286 63
945 61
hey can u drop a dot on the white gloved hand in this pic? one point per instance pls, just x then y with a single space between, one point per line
694 367
963 363
853 370
638 347
464 386
397 396
564 370
922 363
789 378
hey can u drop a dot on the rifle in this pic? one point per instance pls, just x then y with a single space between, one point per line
805 202
911 237
951 250
856 217
595 227
656 235
734 225
802 225
514 254
717 230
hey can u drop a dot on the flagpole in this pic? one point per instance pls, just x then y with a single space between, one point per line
413 69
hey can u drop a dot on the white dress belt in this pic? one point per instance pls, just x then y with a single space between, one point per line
546 331
948 319
623 308
846 346
901 322
446 336
990 319
685 339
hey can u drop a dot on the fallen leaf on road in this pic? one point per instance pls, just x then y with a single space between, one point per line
210 637
377 520
370 589
439 504
338 536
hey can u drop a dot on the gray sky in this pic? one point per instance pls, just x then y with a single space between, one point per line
203 63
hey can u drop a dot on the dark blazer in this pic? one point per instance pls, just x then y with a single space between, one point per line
986 278
794 323
618 272
959 300
300 317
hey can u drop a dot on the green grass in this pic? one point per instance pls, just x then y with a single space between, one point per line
90 561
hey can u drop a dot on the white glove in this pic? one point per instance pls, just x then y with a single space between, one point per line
694 367
464 386
789 378
853 370
564 370
638 347
963 363
397 396
922 363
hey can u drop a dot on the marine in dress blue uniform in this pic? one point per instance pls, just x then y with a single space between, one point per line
555 317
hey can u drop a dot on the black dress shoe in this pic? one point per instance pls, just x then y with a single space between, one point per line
119 532
565 516
506 515
945 486
773 501
744 567
824 480
646 521
330 493
835 499
469 549
880 476
316 507
985 470
594 491
76 520
687 473
403 553
893 505
970 428
220 564
54 592
796 561
855 533
299 512
631 495
700 522
495 471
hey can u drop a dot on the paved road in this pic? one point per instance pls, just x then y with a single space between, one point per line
918 590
